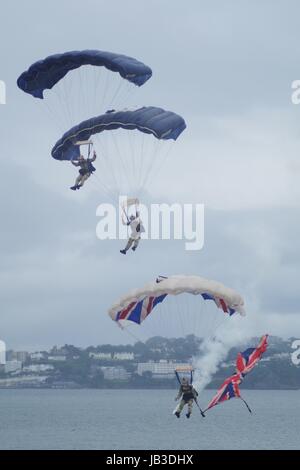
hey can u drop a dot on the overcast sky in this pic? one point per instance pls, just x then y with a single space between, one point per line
227 67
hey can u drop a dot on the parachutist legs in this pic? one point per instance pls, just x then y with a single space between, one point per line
131 242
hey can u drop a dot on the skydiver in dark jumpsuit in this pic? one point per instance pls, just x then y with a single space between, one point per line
86 169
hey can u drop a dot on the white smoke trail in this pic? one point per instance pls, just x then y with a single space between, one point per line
213 352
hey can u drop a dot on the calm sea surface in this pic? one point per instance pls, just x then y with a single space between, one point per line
142 419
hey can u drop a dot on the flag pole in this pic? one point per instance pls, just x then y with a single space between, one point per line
201 411
248 407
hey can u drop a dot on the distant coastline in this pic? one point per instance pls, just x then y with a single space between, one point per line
148 365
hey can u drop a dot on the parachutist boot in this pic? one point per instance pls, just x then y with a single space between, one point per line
177 414
188 415
123 252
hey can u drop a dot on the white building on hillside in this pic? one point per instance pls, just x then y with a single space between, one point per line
161 369
12 366
115 373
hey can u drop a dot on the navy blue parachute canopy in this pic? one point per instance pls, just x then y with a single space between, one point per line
162 124
44 74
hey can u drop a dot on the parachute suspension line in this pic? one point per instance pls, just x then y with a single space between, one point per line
145 166
83 89
151 163
67 87
111 195
55 118
55 101
89 150
127 329
139 156
122 161
139 162
128 90
130 155
216 323
163 319
67 104
162 162
97 79
182 314
61 106
131 151
115 94
106 84
102 188
112 161
145 156
155 160
89 96
108 163
221 323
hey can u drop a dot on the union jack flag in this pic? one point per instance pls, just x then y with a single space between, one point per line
229 389
249 358
245 362
138 311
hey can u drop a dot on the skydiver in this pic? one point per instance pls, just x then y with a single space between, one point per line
86 169
136 226
188 394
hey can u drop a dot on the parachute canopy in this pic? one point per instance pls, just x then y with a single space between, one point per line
163 125
45 73
138 304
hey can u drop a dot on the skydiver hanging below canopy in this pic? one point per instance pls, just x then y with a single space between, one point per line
136 226
86 169
188 394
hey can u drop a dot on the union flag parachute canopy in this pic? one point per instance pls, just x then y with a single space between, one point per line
174 305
